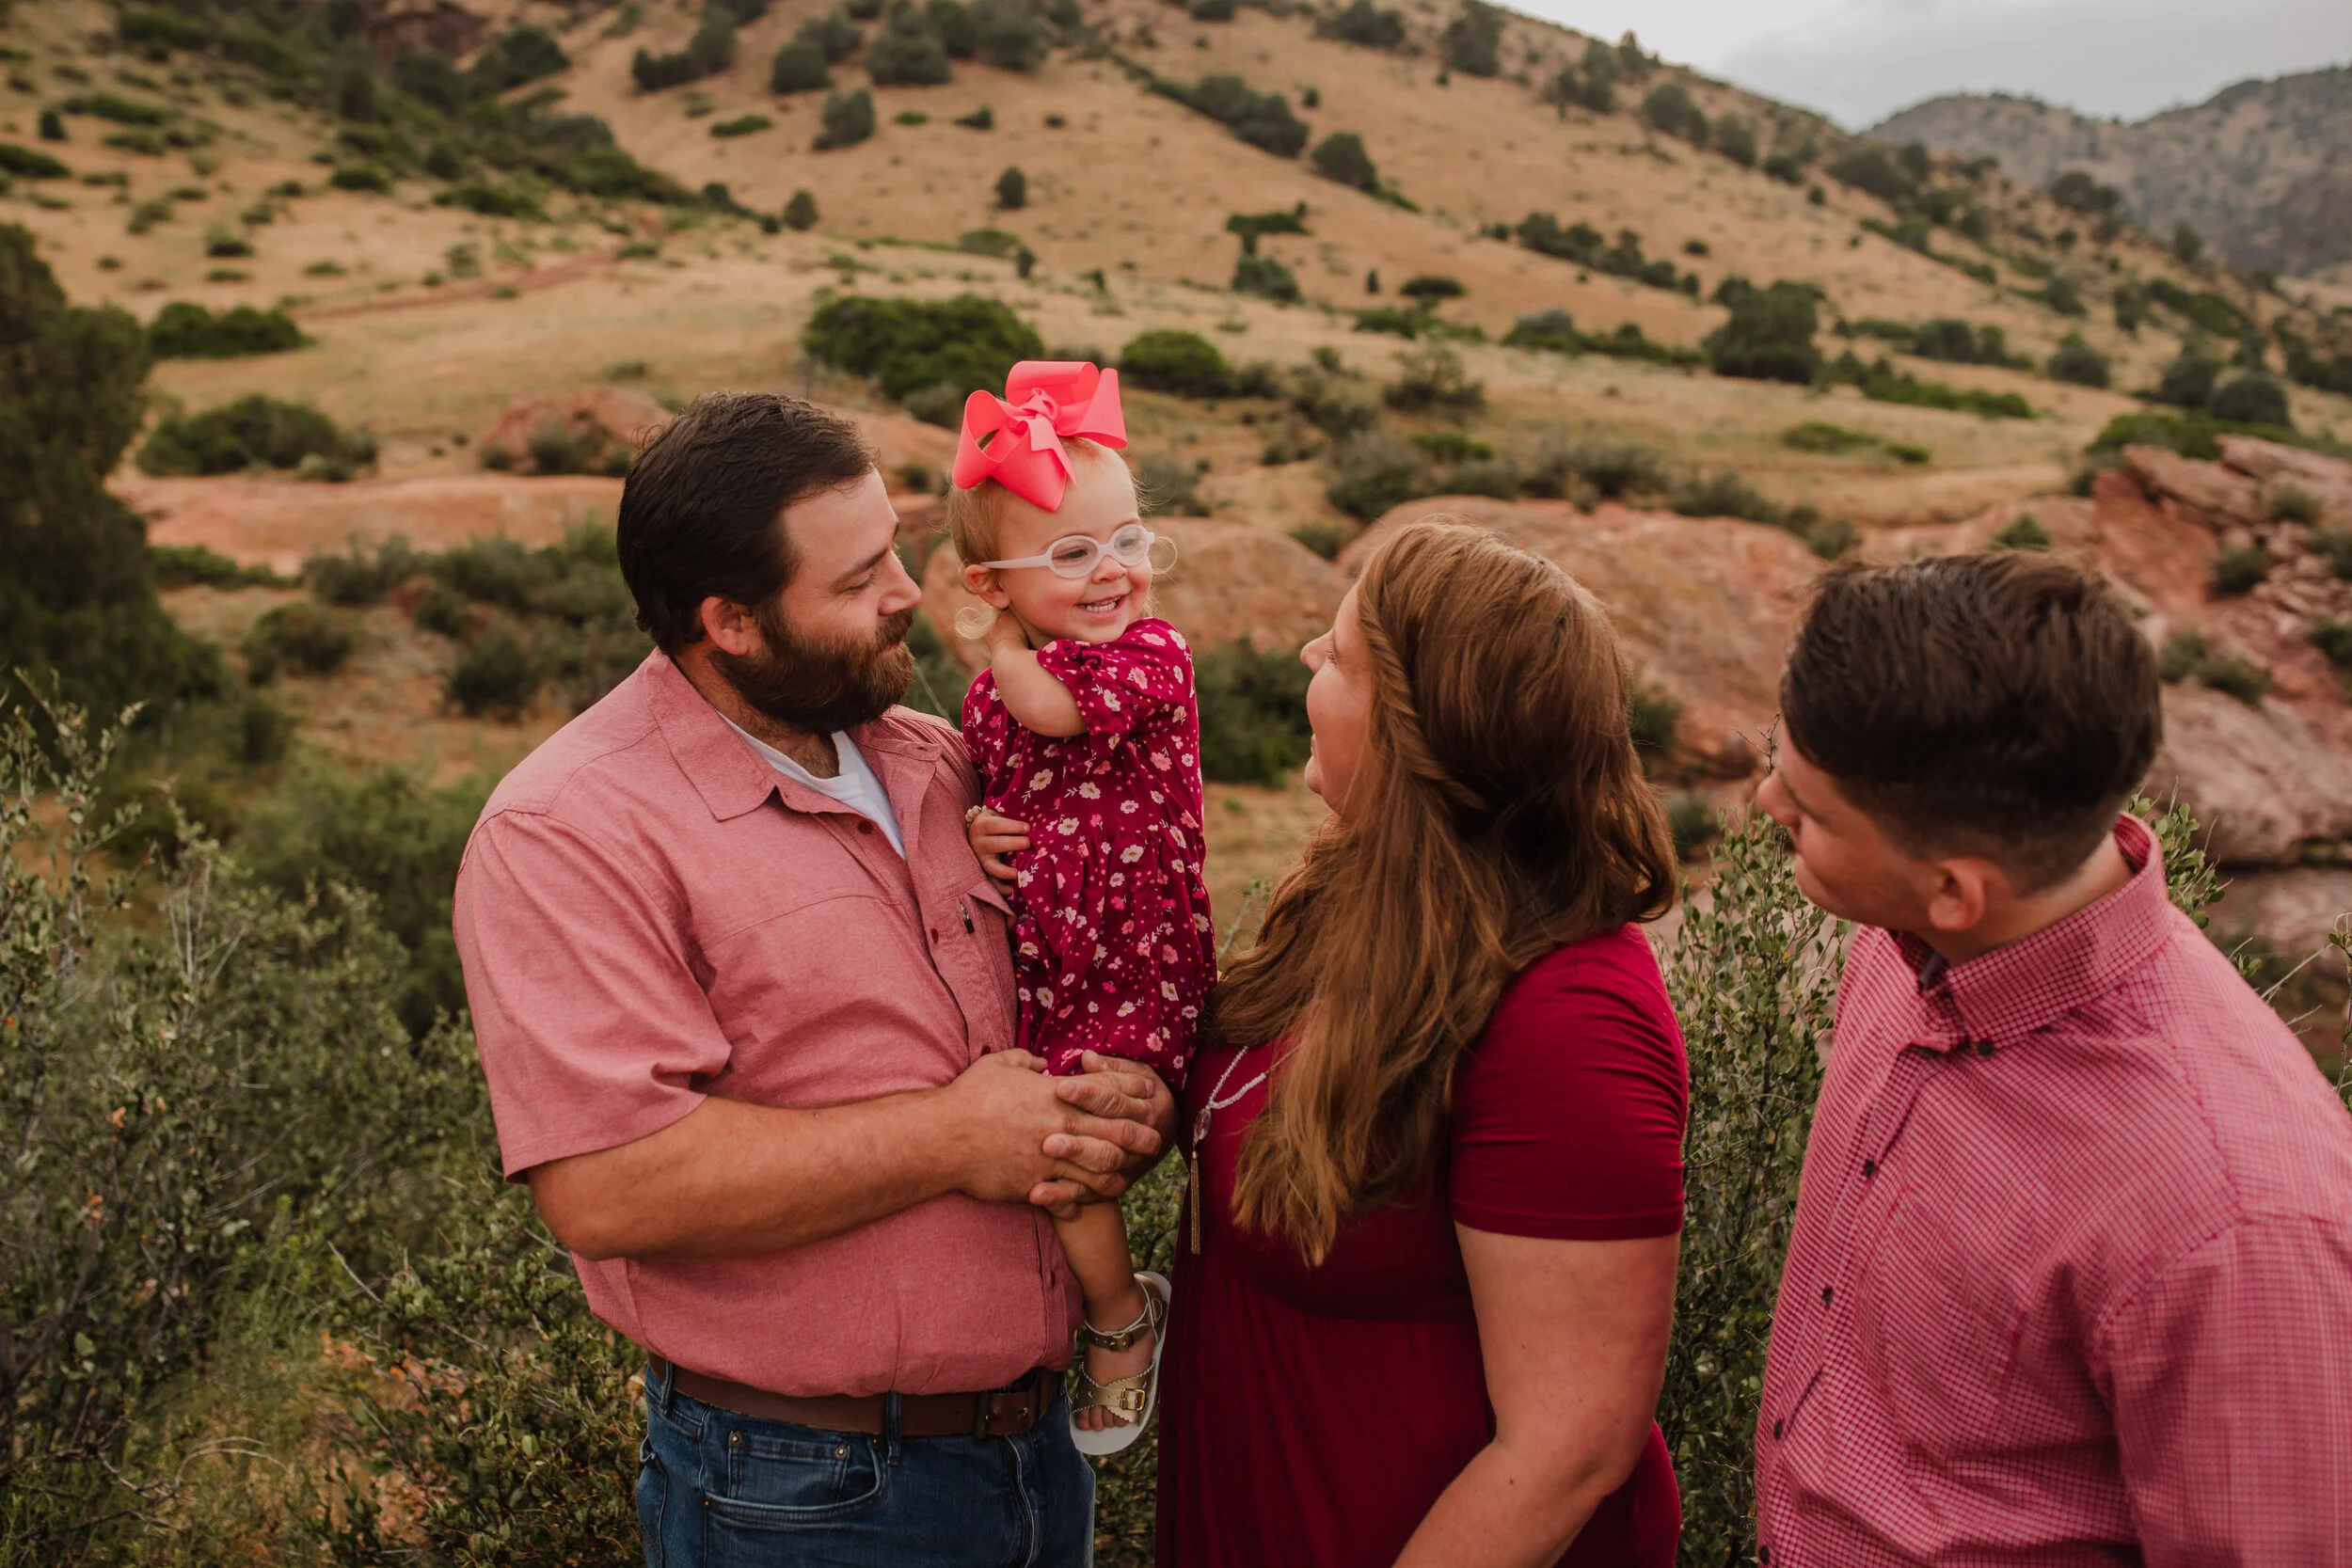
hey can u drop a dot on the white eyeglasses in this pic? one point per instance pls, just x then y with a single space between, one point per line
1078 555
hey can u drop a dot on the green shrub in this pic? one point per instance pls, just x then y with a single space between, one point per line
1395 322
2292 504
848 118
1169 487
494 201
2240 569
199 566
2186 654
1819 435
1724 494
1373 473
2060 295
1012 190
968 342
359 575
1471 40
1362 22
1694 823
1881 384
1324 539
256 431
2251 399
2188 381
710 51
1432 380
368 179
1669 109
495 674
1169 359
2024 533
741 125
799 67
1283 220
1253 713
1429 286
902 58
1264 120
1341 156
1011 36
1266 277
197 1089
186 331
2333 639
799 213
301 636
2335 547
1870 167
24 163
1652 715
2077 362
1768 338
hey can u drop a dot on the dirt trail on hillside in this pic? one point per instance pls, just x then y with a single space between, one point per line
487 288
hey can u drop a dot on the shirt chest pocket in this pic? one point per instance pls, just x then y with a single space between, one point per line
1937 1331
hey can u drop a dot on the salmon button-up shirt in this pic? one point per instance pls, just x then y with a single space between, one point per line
650 913
2071 1281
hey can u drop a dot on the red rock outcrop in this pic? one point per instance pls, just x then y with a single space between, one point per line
598 421
1704 606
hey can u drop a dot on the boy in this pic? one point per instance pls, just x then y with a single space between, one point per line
2070 1280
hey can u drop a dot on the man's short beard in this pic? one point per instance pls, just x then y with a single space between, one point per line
821 687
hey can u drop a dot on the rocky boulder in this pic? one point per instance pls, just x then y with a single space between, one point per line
1704 606
597 430
1231 582
2266 784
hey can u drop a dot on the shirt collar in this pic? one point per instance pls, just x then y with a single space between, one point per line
2016 989
733 779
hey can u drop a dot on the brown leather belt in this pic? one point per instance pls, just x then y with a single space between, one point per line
999 1413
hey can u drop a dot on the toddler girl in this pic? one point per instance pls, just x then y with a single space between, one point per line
1084 729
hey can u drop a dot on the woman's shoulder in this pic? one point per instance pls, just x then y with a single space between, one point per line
1599 997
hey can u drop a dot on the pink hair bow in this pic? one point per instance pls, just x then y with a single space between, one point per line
1046 402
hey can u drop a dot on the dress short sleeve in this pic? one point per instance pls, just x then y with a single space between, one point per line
1138 682
1568 1113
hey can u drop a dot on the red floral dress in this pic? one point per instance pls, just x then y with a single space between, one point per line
1114 950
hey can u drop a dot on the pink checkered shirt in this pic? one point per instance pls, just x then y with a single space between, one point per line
2072 1276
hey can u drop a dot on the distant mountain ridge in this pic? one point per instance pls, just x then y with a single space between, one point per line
2263 169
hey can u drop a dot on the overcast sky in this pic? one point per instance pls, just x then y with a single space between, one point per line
1860 60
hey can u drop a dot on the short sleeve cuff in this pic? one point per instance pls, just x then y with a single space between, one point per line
1569 1227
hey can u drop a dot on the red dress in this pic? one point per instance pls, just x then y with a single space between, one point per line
1311 1415
1113 947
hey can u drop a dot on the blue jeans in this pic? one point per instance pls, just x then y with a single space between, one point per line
719 1490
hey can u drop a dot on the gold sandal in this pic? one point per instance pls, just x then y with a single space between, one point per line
1135 1398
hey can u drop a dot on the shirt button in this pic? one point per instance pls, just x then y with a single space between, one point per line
863 826
1827 1291
1764 1555
1869 1169
1777 1428
1984 1048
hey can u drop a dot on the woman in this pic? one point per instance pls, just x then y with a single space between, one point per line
1425 1281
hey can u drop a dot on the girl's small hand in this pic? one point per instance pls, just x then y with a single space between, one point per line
994 837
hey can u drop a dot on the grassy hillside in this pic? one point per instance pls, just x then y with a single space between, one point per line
427 317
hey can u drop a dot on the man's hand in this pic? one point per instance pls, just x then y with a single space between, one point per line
1019 1131
1127 1095
994 837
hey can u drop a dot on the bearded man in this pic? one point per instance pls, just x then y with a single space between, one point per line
745 1004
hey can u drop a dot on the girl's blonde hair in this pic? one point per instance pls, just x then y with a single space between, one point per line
1498 811
974 516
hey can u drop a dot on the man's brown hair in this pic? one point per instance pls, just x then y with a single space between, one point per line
2000 705
701 511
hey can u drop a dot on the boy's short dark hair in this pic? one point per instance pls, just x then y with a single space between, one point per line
2000 705
699 512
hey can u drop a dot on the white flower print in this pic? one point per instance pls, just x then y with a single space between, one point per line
1067 826
1044 997
1125 1007
1090 792
1040 779
1169 991
1110 699
1128 807
1131 854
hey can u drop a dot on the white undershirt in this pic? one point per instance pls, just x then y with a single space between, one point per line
855 785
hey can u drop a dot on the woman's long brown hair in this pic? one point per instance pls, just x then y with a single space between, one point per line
1496 811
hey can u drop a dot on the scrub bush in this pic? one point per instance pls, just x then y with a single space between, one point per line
1169 360
968 342
185 331
1253 713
